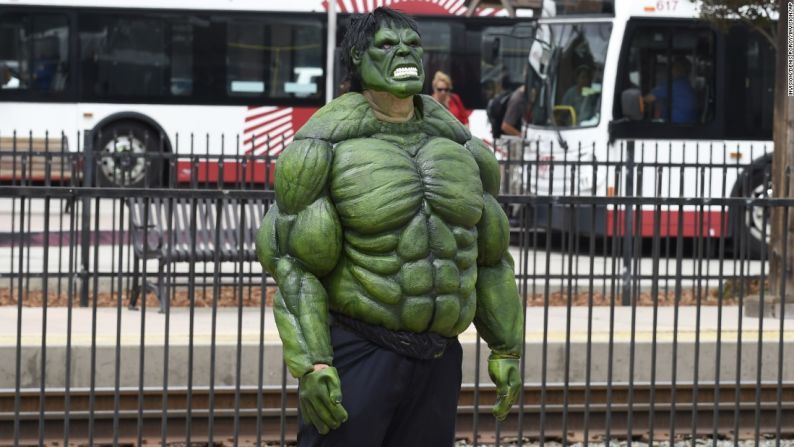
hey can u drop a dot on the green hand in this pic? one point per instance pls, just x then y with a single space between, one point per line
505 373
320 396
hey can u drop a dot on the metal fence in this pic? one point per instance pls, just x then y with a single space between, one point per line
134 309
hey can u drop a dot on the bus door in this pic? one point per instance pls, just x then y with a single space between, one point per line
666 116
682 94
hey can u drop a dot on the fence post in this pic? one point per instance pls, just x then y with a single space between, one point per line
85 219
628 225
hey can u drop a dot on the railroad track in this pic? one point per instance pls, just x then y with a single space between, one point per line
626 411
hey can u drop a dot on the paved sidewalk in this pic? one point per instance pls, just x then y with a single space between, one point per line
558 338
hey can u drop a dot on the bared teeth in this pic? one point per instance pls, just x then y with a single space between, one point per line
405 72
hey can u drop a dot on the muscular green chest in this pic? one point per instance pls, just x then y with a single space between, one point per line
377 185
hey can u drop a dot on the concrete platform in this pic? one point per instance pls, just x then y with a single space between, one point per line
736 331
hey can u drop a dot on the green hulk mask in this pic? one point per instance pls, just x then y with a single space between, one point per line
390 222
392 63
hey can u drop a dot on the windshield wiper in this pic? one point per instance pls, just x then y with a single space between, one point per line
552 73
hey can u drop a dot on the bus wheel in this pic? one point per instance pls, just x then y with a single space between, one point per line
753 224
129 155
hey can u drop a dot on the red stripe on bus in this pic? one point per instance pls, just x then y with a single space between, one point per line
711 223
280 111
274 122
270 137
256 171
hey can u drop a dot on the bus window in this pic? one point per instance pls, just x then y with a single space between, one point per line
34 53
274 58
181 59
503 57
437 45
749 84
574 7
577 71
247 70
135 56
674 70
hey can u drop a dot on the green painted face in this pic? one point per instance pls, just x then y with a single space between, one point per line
392 63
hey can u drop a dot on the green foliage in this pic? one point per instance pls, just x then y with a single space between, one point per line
757 14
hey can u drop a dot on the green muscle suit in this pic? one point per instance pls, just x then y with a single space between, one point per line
393 224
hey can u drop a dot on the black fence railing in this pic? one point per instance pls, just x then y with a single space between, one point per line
134 308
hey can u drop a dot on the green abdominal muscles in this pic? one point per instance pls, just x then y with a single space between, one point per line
409 258
422 278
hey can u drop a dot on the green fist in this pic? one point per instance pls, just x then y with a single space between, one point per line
505 373
320 396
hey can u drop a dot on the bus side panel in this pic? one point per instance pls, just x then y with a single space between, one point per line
245 139
30 130
710 222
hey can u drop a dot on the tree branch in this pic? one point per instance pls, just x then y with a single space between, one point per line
757 16
769 32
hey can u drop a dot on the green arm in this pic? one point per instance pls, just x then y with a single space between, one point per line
298 243
499 317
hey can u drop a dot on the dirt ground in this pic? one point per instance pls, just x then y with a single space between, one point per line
229 296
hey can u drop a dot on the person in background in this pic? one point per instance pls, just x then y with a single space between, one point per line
684 109
574 96
442 92
7 79
519 110
511 124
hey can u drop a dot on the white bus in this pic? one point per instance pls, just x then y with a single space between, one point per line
602 70
248 70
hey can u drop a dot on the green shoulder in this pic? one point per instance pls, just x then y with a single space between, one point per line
437 121
348 116
302 173
486 161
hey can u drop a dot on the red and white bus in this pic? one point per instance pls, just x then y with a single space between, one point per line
602 69
248 71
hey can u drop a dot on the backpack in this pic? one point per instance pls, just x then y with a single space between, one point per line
496 109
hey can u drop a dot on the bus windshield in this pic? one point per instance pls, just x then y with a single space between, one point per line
573 67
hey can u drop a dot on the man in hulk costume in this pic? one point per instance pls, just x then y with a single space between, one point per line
386 242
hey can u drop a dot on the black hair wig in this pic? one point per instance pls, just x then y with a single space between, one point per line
360 32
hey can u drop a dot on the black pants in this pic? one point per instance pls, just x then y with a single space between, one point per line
391 400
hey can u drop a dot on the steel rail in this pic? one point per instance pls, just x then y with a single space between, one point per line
580 401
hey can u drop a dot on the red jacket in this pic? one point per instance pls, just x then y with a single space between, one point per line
457 109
